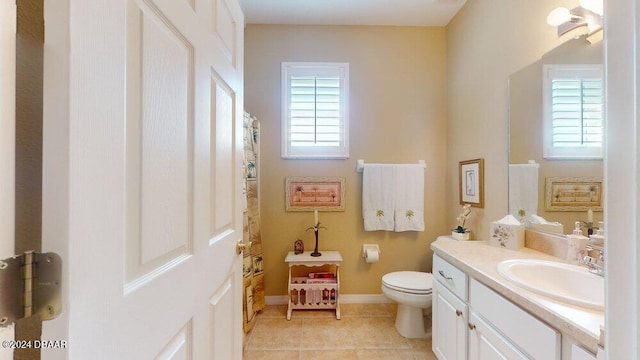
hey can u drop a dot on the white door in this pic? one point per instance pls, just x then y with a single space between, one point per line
7 143
485 343
142 177
449 331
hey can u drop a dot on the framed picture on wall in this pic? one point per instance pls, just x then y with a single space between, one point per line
311 193
471 181
574 193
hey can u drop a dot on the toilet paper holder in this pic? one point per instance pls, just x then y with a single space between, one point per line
366 247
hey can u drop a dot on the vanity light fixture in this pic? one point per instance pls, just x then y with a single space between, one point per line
588 14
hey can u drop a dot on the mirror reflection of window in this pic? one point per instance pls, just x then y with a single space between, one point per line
573 111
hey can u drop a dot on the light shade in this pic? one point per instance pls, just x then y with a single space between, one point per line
596 6
558 16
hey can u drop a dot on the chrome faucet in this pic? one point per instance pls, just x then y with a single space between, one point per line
595 264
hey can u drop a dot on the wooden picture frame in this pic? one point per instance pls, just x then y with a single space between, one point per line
573 193
314 193
471 182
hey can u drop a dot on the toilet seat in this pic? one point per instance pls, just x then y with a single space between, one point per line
411 282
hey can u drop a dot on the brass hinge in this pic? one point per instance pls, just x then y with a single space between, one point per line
30 284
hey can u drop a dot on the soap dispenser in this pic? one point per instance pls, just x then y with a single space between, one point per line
598 238
576 245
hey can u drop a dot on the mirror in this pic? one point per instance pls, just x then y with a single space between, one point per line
525 139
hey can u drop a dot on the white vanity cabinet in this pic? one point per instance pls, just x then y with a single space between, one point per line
449 311
525 333
485 343
471 321
449 324
578 353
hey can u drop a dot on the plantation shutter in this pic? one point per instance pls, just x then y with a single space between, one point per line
315 110
577 112
573 111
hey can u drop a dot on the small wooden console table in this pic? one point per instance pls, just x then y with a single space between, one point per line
315 290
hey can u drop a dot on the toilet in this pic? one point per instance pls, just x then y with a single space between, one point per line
412 291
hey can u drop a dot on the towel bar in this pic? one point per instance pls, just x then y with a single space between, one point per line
360 165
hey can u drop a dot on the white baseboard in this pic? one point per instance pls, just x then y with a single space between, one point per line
276 300
364 299
344 299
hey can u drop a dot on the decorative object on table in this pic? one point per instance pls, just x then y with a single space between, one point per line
298 247
316 229
460 232
471 180
573 193
308 193
507 233
576 245
522 216
589 223
598 238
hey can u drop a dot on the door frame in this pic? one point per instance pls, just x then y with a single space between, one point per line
55 149
621 178
8 19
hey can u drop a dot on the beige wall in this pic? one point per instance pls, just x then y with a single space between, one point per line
525 125
397 114
487 41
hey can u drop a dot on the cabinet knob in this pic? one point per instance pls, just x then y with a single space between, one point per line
458 313
471 326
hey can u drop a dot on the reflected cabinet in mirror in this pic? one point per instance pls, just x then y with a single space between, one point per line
556 121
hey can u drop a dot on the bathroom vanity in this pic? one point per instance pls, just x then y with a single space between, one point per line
478 314
314 282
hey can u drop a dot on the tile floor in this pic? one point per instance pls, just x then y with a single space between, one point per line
365 331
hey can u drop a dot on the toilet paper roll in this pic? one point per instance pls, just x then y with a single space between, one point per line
371 256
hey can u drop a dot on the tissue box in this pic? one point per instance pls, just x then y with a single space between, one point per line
506 236
549 227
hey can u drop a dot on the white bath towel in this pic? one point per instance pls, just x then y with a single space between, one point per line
523 189
409 194
378 197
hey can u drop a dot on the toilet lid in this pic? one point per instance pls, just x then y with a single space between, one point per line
409 281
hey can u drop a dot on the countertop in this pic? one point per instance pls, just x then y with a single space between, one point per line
479 260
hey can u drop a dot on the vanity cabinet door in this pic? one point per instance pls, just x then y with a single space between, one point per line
486 344
578 353
449 334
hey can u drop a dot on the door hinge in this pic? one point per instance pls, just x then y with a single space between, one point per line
30 284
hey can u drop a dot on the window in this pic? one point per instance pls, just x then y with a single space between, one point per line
315 110
573 112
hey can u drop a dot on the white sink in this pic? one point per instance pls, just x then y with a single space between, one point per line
570 284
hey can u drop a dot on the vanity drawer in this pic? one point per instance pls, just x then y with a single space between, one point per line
450 276
531 335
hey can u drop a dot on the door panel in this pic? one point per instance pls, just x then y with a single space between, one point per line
485 343
179 347
159 144
222 157
154 158
219 317
224 25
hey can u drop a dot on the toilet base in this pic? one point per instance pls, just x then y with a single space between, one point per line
410 322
